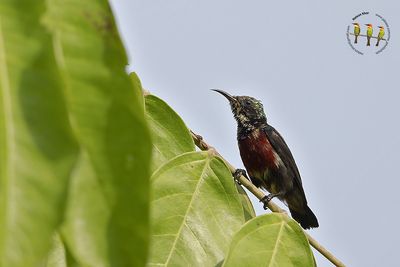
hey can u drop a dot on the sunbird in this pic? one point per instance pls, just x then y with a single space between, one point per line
357 31
369 33
380 34
267 158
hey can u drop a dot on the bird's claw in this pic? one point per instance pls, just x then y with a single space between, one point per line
238 173
266 199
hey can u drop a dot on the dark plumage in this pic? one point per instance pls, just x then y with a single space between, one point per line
267 158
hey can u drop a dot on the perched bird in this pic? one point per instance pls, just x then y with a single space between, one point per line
357 31
267 158
380 34
369 33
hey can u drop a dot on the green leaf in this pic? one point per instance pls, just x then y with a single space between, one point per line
37 148
248 209
57 256
108 210
270 240
137 88
87 217
195 211
169 133
171 138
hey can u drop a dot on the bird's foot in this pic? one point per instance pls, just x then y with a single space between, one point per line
266 199
238 173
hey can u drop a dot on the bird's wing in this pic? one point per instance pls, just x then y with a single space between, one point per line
280 146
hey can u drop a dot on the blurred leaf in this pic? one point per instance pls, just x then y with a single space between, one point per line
107 214
37 148
169 133
57 257
88 215
195 211
270 240
137 88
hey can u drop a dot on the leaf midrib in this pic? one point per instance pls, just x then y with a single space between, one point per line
276 244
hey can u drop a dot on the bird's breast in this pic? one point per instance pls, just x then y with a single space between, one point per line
257 154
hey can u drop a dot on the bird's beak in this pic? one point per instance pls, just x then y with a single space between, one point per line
228 96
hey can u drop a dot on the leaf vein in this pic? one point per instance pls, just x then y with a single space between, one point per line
187 211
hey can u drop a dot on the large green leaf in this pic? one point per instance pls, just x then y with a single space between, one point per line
270 240
37 148
195 211
171 138
169 133
108 209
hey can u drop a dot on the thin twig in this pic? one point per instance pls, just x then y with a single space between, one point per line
200 143
363 35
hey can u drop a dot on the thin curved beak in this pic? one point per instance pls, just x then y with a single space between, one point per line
228 96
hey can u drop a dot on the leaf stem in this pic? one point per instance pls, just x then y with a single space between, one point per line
201 144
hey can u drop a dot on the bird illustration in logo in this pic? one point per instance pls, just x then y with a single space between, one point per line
357 31
380 34
369 33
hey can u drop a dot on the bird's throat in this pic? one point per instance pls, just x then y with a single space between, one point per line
247 128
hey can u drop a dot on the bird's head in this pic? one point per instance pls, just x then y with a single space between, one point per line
248 111
356 24
381 27
368 25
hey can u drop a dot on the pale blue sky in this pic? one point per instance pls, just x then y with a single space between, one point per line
337 110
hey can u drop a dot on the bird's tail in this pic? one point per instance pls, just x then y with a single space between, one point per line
377 42
355 39
368 41
306 218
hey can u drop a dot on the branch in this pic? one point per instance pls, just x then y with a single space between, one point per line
374 37
200 143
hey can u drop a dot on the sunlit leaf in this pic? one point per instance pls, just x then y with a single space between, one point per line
169 133
195 211
270 240
172 138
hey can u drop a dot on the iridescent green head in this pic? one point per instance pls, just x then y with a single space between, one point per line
248 111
